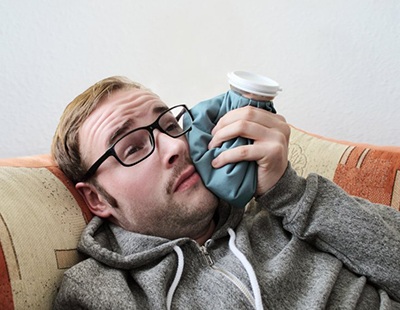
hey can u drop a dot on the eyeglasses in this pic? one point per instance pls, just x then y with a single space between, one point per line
138 144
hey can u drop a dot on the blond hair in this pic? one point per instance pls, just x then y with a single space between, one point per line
65 147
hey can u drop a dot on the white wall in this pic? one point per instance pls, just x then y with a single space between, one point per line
337 60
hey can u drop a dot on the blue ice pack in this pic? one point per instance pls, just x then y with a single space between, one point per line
234 183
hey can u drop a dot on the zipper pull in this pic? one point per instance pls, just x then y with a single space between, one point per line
207 255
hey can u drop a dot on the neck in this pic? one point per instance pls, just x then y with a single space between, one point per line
207 234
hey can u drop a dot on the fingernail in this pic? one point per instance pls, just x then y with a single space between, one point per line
214 163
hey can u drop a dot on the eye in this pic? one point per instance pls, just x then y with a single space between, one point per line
130 152
132 149
172 127
133 146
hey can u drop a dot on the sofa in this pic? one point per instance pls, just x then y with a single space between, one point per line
42 215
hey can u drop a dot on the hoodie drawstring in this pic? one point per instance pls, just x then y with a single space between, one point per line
242 258
178 276
250 271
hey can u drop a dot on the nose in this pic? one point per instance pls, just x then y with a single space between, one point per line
170 150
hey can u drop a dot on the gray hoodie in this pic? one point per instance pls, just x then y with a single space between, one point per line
303 245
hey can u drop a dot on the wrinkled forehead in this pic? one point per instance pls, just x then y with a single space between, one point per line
116 114
130 98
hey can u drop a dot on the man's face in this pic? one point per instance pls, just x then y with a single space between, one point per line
162 195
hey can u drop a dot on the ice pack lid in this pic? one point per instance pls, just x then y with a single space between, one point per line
254 83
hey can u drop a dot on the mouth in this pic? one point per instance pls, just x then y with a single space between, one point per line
186 180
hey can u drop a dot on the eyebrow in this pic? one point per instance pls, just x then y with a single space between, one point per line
127 125
120 131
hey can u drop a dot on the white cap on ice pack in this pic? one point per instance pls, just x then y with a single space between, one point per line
253 83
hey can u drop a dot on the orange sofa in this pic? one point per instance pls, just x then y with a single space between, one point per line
42 216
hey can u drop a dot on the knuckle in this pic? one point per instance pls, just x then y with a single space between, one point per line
241 125
252 112
281 117
278 150
248 112
286 130
243 152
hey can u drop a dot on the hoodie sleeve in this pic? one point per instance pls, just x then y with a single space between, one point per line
69 296
92 285
363 235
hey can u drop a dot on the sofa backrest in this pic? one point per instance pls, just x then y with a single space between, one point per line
42 215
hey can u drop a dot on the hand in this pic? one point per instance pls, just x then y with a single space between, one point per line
270 134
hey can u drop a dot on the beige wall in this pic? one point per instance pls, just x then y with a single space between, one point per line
336 60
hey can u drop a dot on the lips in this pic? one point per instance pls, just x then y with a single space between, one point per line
187 179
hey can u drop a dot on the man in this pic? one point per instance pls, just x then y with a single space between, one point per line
161 240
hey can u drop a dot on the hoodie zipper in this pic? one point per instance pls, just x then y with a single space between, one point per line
231 277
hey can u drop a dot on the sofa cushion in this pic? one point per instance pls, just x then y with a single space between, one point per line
41 219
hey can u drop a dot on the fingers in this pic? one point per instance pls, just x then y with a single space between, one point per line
249 122
252 114
267 144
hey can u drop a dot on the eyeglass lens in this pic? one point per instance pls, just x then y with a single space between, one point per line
138 144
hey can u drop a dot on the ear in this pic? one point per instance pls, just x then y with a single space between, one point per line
95 201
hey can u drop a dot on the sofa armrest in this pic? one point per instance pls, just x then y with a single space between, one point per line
363 170
41 220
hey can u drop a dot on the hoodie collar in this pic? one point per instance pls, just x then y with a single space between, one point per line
118 248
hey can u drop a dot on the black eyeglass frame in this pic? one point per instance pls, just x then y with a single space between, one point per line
150 128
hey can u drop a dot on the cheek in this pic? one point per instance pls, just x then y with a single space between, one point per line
138 183
135 192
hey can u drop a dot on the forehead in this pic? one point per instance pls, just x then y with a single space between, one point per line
115 114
